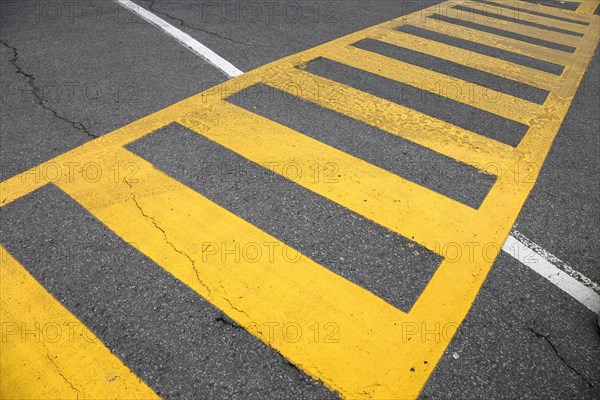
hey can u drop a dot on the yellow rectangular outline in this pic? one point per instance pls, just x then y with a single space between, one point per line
397 365
588 7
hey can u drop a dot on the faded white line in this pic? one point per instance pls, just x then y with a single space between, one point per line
556 261
196 47
577 285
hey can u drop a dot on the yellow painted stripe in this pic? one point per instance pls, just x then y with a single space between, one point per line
537 143
450 140
497 41
549 10
173 225
538 33
538 19
47 353
60 166
588 7
574 72
496 66
489 100
554 11
377 194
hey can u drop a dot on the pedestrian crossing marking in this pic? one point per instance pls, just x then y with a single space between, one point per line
524 6
381 196
499 11
513 27
47 353
176 221
442 137
506 69
494 40
486 99
587 7
374 356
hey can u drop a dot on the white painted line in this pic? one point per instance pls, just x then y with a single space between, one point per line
556 261
183 38
556 271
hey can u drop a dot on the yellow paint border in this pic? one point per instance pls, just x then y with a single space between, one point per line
398 364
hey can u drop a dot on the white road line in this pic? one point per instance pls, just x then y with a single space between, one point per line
183 38
552 268
556 261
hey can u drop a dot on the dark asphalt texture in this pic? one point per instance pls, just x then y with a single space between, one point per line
68 80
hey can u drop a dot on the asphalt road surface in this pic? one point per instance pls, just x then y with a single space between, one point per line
299 199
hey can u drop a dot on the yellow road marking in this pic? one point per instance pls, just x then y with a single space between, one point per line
381 196
486 99
46 353
253 293
588 7
493 40
538 33
530 76
379 352
554 11
538 19
445 138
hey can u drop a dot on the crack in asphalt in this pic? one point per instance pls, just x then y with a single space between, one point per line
185 24
59 371
40 101
368 390
547 339
226 298
166 238
225 320
536 333
192 261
